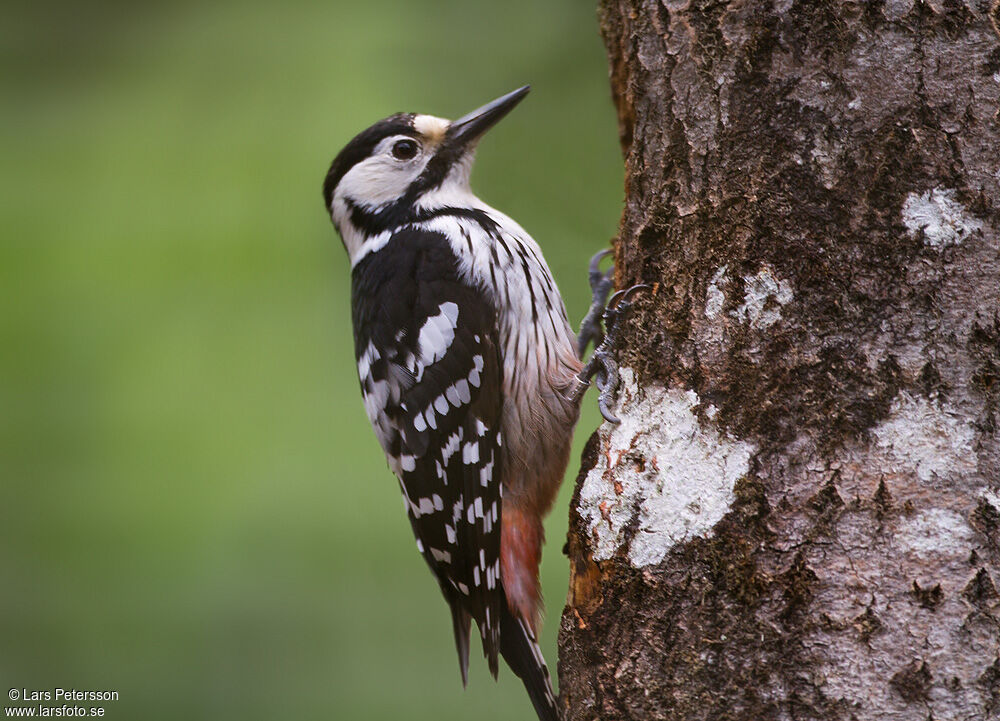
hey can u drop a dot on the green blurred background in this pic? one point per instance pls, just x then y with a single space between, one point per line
193 509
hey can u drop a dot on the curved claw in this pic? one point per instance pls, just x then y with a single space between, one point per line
626 295
607 382
595 265
602 406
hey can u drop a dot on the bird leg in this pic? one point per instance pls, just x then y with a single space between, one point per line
601 366
600 286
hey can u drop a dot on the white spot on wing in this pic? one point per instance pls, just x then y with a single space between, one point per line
437 334
452 445
463 390
441 556
486 474
369 356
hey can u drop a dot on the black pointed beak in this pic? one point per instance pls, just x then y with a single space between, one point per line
469 128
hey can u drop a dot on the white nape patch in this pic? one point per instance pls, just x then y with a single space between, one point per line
765 294
937 217
436 335
926 438
431 127
675 475
936 532
715 298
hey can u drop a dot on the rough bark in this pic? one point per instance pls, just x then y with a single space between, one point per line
799 516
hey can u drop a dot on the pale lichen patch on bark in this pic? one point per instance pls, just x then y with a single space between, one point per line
938 218
926 438
765 293
936 532
673 478
715 297
992 497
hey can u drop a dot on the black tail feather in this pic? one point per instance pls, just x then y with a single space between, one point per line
521 651
460 622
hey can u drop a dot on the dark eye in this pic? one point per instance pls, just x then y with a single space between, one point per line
404 149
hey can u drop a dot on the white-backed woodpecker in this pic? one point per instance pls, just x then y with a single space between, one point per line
470 372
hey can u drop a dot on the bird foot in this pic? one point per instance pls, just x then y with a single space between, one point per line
600 286
602 366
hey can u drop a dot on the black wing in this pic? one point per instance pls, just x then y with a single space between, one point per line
429 365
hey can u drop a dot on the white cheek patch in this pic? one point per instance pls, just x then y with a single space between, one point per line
377 181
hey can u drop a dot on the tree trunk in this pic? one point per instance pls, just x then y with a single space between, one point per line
799 515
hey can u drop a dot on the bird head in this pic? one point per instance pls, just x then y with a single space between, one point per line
403 165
